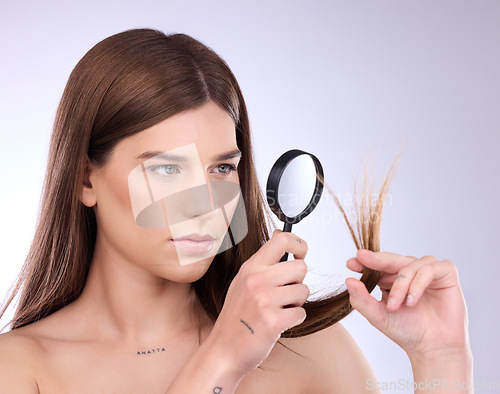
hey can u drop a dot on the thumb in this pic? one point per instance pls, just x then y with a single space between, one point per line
372 309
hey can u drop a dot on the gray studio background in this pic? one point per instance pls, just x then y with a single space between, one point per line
351 82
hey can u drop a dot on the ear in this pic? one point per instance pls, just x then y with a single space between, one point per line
88 194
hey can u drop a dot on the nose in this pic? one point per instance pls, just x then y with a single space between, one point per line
190 203
198 201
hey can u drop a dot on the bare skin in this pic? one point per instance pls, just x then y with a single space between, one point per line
53 356
132 329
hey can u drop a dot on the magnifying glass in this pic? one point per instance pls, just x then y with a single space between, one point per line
294 187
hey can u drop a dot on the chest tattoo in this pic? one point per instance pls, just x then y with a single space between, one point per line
152 351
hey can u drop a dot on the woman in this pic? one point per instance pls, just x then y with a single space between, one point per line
152 268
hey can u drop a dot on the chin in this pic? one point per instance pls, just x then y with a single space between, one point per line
187 273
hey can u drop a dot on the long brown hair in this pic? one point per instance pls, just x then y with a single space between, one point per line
123 85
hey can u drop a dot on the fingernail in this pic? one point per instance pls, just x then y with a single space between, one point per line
351 291
409 300
390 303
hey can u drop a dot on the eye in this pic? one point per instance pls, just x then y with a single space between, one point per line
226 169
166 169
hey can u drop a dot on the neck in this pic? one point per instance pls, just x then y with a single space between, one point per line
125 303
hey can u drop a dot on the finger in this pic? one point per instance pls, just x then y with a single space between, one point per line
424 276
282 242
294 315
372 309
386 281
402 282
293 271
383 261
291 295
385 295
354 265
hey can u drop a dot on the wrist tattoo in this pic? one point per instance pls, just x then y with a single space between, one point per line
245 323
217 390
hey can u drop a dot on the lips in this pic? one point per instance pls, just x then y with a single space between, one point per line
194 243
195 237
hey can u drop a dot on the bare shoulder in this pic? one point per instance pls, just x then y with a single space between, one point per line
333 362
17 363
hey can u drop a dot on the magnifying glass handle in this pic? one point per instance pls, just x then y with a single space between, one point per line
287 228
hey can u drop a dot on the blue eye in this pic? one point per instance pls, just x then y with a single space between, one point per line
166 169
227 168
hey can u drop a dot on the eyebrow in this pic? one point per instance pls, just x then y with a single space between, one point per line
173 157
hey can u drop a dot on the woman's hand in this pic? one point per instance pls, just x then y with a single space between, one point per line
422 308
253 316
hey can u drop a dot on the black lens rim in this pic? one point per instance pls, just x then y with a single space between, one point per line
274 179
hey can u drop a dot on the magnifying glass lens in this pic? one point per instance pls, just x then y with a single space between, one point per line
294 187
297 185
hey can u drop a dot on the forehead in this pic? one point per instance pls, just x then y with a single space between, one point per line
210 127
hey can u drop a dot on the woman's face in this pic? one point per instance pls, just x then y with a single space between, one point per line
176 179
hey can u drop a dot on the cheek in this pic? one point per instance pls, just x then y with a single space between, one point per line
137 191
115 211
